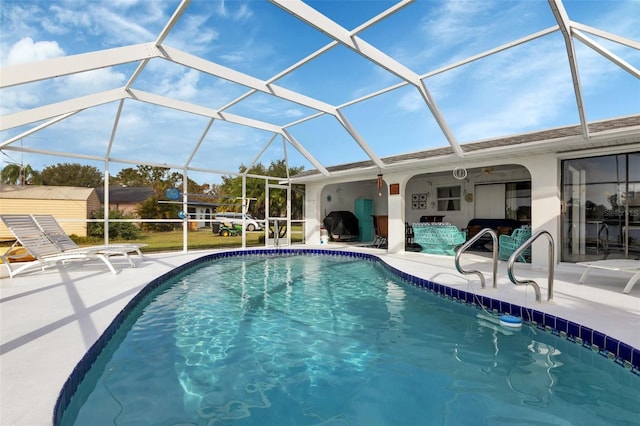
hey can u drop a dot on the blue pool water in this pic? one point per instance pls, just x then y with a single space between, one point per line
319 340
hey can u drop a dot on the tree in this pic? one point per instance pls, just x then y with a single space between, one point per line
18 174
255 188
72 174
158 178
151 208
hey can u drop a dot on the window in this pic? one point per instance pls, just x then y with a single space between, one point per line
518 201
601 207
449 198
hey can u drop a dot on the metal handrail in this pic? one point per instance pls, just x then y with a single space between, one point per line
551 258
468 244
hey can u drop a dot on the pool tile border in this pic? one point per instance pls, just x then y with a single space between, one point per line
614 349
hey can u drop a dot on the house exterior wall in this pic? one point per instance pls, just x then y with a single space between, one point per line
93 204
426 184
545 205
313 211
339 196
128 208
396 211
204 216
61 209
543 170
71 213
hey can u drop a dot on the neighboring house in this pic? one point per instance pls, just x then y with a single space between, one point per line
70 205
125 198
202 212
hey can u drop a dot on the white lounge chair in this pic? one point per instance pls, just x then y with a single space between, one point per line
40 247
625 265
50 226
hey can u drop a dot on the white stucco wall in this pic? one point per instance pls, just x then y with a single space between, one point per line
545 205
312 209
543 170
338 195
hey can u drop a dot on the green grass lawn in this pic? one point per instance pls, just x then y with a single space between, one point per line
201 239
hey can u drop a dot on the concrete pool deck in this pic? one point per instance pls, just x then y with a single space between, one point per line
49 319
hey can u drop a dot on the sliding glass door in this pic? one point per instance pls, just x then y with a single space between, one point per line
601 207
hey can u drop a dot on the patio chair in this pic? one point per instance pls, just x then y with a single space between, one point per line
52 229
40 247
508 244
631 266
380 228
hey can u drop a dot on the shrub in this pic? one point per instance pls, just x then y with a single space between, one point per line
151 208
117 230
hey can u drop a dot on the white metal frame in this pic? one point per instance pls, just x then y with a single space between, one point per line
143 53
277 219
52 114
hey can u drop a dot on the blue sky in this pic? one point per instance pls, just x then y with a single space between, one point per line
523 89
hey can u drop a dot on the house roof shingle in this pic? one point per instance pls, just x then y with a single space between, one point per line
126 194
619 124
44 192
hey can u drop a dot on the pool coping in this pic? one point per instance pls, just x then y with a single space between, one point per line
615 350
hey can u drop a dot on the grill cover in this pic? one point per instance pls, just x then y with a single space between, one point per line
342 225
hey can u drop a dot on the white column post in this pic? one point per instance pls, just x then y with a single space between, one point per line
545 205
395 206
313 213
105 199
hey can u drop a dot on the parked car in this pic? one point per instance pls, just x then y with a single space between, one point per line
253 224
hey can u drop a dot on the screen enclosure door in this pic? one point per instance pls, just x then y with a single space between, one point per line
278 215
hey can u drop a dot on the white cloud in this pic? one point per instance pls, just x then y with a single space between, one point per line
198 33
18 22
456 22
196 36
131 119
26 50
40 93
292 112
15 99
126 4
243 13
222 9
184 88
411 102
528 108
90 81
509 92
234 57
61 20
621 20
121 30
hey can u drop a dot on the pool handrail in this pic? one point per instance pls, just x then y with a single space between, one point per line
468 244
550 259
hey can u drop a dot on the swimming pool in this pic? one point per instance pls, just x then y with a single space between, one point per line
334 340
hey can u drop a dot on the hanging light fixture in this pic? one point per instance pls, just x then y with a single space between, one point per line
379 184
460 173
